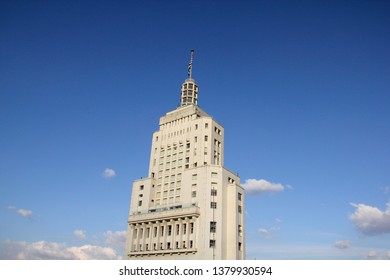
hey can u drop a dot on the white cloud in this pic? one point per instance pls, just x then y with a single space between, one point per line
371 220
108 173
374 255
21 212
116 239
259 186
342 244
79 233
268 233
43 250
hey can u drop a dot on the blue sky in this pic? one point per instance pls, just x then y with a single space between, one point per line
302 89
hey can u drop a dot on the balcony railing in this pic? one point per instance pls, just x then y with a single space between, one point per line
169 212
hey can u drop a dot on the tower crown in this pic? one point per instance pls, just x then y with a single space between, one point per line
189 92
189 89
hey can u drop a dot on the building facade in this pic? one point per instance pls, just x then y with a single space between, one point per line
190 206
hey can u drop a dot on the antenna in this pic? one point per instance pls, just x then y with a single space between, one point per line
190 65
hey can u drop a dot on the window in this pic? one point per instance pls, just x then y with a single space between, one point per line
140 203
141 188
239 230
184 228
177 229
239 246
191 244
162 231
213 226
191 228
213 192
193 193
194 176
213 205
212 243
206 138
169 230
135 233
239 209
214 174
196 126
239 196
206 125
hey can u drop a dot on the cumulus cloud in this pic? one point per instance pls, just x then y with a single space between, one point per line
374 255
79 233
116 239
370 220
21 212
342 244
260 186
268 233
43 250
108 173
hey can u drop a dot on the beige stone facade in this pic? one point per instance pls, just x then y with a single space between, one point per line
189 206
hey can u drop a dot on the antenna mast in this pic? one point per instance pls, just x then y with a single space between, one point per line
190 65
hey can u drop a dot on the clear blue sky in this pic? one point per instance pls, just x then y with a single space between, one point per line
302 89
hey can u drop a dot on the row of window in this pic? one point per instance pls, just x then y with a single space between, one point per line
161 246
163 230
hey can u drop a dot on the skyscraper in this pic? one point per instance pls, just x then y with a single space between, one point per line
190 206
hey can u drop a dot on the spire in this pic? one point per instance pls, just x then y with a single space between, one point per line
189 89
190 65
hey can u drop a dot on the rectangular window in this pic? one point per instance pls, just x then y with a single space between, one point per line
213 205
206 138
184 228
213 192
214 174
212 243
194 176
239 230
169 230
191 228
140 203
193 193
213 226
206 125
239 246
162 231
239 196
239 209
141 188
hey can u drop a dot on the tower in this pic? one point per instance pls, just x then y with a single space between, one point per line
190 206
